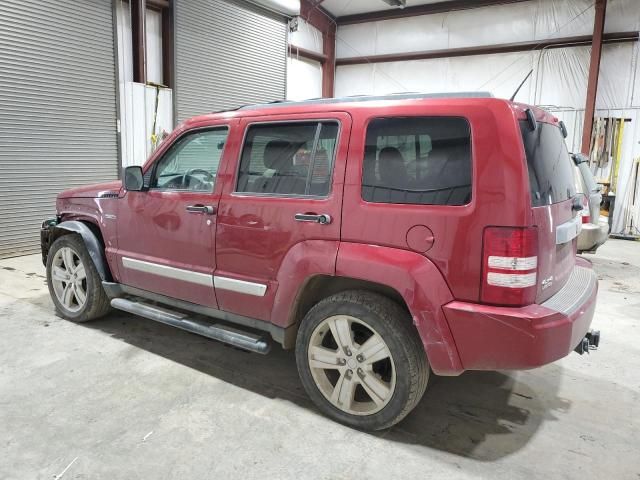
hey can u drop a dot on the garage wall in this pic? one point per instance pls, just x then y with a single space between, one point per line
228 53
58 109
138 107
304 76
559 81
304 79
560 75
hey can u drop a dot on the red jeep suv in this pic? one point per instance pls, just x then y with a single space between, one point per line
381 237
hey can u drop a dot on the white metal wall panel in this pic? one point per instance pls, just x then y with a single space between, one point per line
304 79
57 109
228 53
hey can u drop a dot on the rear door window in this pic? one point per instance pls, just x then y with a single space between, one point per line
551 171
418 160
288 159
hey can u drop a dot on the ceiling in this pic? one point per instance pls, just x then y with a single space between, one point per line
339 8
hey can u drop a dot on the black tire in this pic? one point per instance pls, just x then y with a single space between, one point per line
394 325
97 303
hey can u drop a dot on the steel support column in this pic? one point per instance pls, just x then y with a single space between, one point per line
329 66
315 15
168 61
594 71
138 38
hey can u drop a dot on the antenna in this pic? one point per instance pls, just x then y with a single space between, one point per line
520 86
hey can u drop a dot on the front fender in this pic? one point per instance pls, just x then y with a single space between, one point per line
422 287
94 247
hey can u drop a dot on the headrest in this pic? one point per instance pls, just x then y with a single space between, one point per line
391 167
390 155
277 154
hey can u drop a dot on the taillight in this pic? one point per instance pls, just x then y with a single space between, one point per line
509 265
586 216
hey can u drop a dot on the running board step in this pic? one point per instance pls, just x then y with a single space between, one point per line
221 333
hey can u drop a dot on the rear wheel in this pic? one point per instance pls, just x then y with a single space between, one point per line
74 283
360 359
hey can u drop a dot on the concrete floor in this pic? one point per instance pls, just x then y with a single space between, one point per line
126 398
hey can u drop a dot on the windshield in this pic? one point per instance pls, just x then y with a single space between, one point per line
551 174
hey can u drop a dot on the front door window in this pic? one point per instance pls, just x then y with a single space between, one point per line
191 164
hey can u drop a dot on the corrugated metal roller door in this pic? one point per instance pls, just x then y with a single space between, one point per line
57 109
228 53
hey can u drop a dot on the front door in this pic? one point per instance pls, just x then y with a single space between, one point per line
166 233
282 207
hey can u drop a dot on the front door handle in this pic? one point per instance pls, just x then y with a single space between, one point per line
322 219
206 209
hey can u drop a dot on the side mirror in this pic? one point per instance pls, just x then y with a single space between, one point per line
133 178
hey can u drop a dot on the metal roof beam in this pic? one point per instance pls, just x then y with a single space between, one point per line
575 41
429 9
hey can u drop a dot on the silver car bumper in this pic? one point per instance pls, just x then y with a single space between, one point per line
592 236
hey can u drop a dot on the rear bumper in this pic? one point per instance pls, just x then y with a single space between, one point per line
503 338
592 236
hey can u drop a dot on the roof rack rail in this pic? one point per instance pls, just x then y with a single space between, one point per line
249 105
367 98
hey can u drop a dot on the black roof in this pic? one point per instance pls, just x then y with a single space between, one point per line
367 98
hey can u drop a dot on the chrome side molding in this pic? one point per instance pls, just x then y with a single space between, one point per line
240 286
168 272
222 283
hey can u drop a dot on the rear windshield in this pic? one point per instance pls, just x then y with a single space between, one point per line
551 174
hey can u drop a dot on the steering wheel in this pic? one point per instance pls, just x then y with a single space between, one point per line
209 177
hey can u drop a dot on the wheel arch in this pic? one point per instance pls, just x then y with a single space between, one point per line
406 277
317 287
92 239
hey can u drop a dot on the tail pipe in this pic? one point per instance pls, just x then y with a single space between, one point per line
590 342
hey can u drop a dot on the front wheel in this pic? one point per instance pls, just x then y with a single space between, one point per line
74 283
360 360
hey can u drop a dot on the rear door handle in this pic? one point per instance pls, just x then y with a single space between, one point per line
322 219
206 209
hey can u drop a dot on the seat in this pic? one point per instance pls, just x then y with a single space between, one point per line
393 178
444 177
321 174
283 178
393 171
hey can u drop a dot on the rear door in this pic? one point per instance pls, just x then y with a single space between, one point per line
552 184
285 188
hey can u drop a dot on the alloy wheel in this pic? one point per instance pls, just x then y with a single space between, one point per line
351 365
69 279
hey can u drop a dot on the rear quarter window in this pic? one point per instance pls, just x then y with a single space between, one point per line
418 160
551 171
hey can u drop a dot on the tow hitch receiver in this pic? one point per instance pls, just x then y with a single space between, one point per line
590 342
